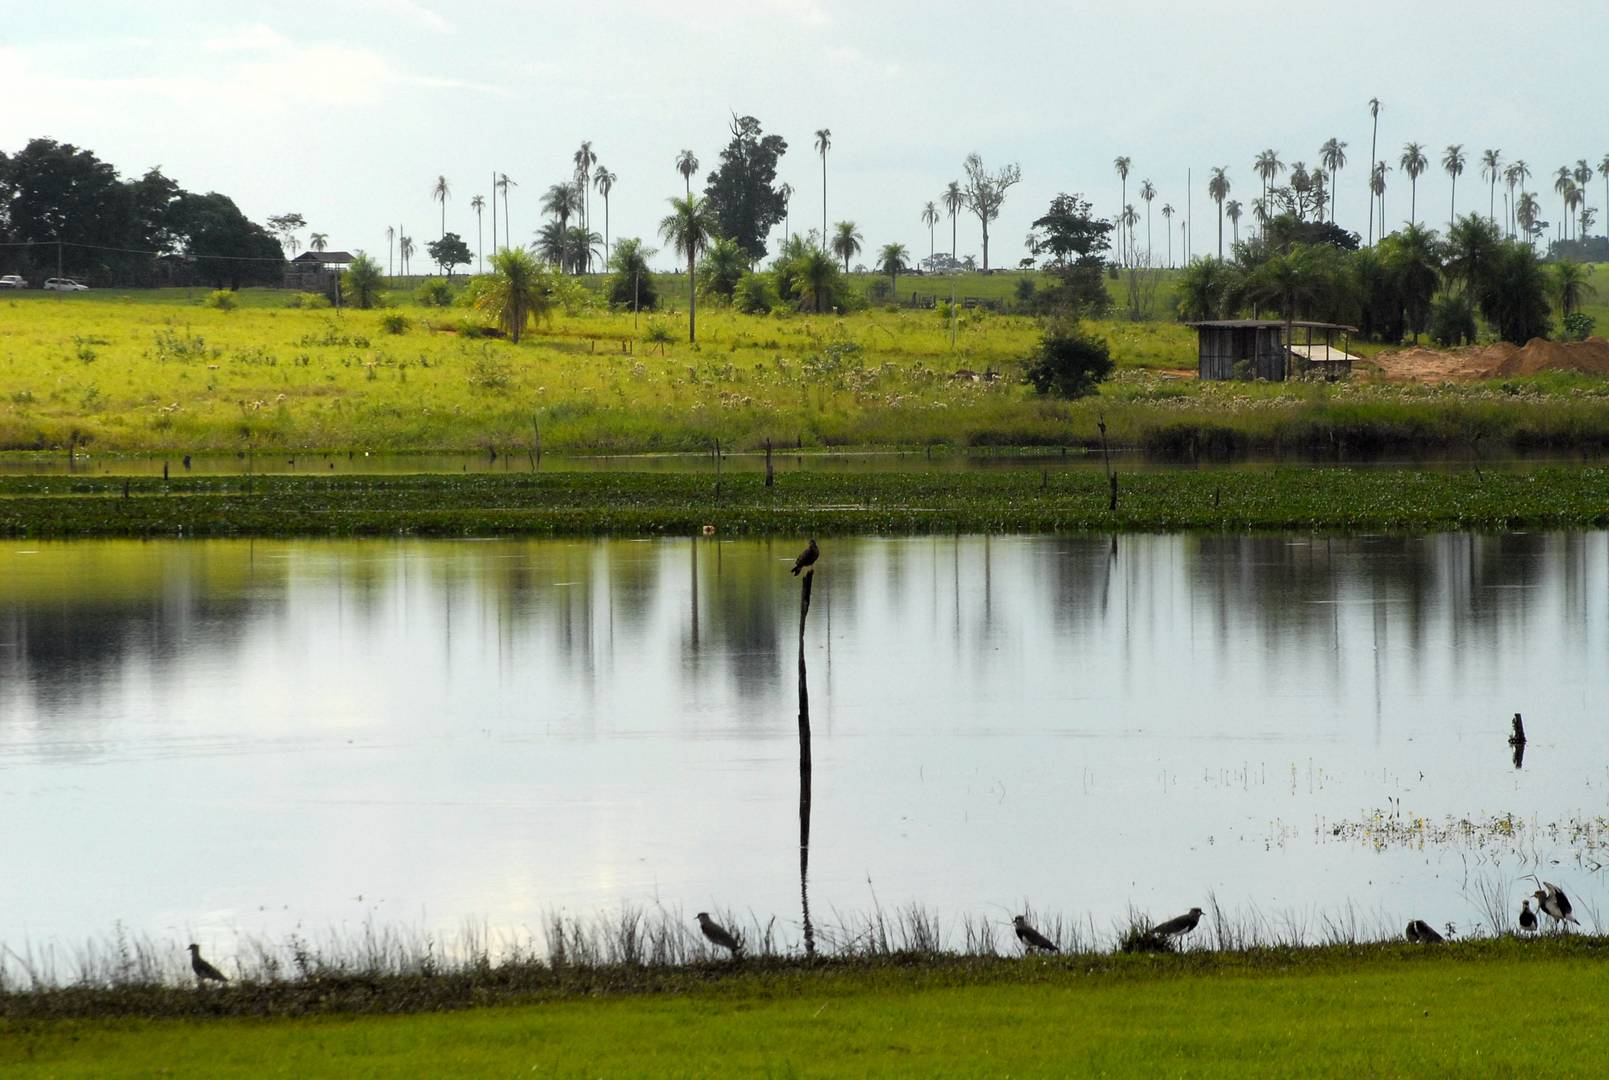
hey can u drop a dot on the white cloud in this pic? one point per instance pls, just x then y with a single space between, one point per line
410 11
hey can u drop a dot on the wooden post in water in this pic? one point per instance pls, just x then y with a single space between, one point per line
806 770
768 475
1106 454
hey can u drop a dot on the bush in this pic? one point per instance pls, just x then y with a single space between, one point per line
1578 327
222 299
394 323
308 300
435 294
1025 290
879 290
1068 363
755 295
362 282
1452 321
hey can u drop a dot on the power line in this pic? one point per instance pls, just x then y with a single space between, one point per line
134 251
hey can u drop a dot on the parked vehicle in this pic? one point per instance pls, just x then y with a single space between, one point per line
12 281
65 284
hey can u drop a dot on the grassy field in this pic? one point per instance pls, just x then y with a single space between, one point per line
1493 1008
803 503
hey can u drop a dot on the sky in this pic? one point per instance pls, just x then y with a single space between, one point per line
348 110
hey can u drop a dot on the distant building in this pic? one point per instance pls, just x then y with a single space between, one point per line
1257 349
317 271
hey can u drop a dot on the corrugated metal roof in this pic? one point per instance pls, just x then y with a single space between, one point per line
324 257
1321 354
1251 324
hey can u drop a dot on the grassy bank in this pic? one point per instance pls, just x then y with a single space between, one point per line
1497 1007
538 503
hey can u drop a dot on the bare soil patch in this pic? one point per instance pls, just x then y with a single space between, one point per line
1498 361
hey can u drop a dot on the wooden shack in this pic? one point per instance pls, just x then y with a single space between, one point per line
1257 349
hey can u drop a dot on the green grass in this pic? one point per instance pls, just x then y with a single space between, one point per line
1496 1008
823 503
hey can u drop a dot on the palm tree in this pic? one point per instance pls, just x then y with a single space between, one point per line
1491 169
477 204
319 241
1377 184
814 271
846 242
562 201
515 293
930 218
1128 220
786 192
687 165
1259 214
1374 114
1562 183
1571 285
390 235
1121 164
954 199
1526 212
1452 160
1167 227
1232 211
439 192
1518 173
548 243
1147 192
1413 162
1218 189
1603 171
688 229
1574 196
1268 166
604 181
405 251
584 159
503 184
1332 155
891 260
823 144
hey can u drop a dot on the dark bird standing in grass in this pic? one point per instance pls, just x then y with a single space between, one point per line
1423 933
205 972
719 935
806 558
1031 938
1555 903
1527 917
1179 926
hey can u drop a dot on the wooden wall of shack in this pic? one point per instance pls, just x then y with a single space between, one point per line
1222 347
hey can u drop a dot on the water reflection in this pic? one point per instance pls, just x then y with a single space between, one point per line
505 728
806 769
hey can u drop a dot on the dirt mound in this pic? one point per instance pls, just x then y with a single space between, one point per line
1591 356
1501 360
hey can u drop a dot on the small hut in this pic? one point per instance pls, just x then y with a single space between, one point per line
1257 349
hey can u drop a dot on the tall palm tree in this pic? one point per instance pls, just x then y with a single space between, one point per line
823 144
954 199
405 250
319 241
390 235
1491 169
815 273
930 218
688 229
1518 173
1571 285
1603 171
1562 182
1413 162
1374 135
1167 227
584 159
846 242
891 260
1377 184
1574 196
786 191
563 202
1526 213
1121 164
1268 166
1128 220
1147 192
604 181
687 165
503 184
477 204
1259 214
439 192
1218 190
1332 155
1232 211
1452 160
515 293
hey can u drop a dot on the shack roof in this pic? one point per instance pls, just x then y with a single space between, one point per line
1265 324
324 257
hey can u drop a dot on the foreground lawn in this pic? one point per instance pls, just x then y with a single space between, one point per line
1384 1011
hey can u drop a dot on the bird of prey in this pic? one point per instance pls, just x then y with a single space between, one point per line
1423 933
1031 938
1555 903
205 972
806 558
718 934
1179 926
1527 917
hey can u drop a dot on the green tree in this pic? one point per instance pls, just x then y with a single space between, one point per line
286 226
846 242
930 218
1491 170
1414 163
439 192
631 285
390 236
1069 362
1452 160
1414 259
1471 246
362 281
1203 290
823 144
584 159
786 191
741 192
891 260
985 193
1232 212
688 229
1267 166
1571 286
1147 192
1332 156
687 165
1287 282
1121 165
814 278
723 266
504 182
1374 162
1167 227
563 201
1218 191
954 199
1513 297
477 204
319 241
515 293
449 251
229 250
405 251
604 181
549 243
1074 242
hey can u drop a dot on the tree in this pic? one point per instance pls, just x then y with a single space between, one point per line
1491 169
632 283
1377 184
229 250
954 199
1232 211
1471 247
1571 286
1562 183
516 292
449 251
1129 219
319 241
723 267
1374 134
741 194
1603 171
1268 167
1147 192
786 191
1069 362
823 144
477 204
985 194
390 235
1076 243
688 229
1513 298
1332 156
687 165
1413 256
604 181
286 226
503 184
930 218
439 191
361 282
1167 226
1452 160
1285 281
405 251
1526 212
1204 289
1218 190
814 276
563 201
1121 166
549 243
1414 163
891 260
846 242
584 159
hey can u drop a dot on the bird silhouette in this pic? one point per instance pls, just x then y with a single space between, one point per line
1423 933
806 558
1179 926
1555 904
718 934
205 972
1031 938
1527 917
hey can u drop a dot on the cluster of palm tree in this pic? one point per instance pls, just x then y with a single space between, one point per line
573 248
1128 219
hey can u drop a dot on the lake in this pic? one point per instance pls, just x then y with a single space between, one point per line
210 740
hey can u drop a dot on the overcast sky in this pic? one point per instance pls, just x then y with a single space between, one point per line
346 110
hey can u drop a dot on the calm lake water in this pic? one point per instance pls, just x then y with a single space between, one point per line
208 739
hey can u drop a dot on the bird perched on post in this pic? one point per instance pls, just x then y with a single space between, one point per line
1555 903
806 558
1179 926
1031 938
1423 933
205 972
719 935
1527 917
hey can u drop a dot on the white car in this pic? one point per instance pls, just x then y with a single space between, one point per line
65 284
12 281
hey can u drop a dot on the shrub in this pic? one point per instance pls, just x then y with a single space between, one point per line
222 299
308 300
1578 327
1452 320
1068 363
879 290
362 282
1025 290
488 372
755 295
435 294
394 323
